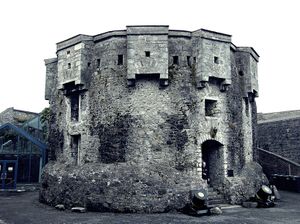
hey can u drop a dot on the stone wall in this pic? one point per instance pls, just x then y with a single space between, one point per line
147 51
272 163
280 133
16 117
140 135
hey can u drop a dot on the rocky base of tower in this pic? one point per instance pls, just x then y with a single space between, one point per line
245 184
116 188
130 188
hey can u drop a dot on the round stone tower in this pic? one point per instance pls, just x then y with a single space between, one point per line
140 117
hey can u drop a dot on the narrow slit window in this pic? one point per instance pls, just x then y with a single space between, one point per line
75 142
98 63
195 60
120 59
216 60
74 107
247 107
188 60
68 52
147 54
69 65
89 64
175 60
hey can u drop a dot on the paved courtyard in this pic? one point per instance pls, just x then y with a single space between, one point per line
24 208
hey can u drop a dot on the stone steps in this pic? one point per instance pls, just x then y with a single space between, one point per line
215 198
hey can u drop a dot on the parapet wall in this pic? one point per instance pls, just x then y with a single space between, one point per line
151 50
280 133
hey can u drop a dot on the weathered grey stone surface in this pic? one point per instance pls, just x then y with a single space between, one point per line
129 130
280 133
248 182
16 117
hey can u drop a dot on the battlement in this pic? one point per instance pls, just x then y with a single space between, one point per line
142 30
154 49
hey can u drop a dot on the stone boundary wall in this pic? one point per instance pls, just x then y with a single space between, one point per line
280 135
16 117
276 164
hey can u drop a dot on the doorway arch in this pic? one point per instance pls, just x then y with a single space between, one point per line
212 161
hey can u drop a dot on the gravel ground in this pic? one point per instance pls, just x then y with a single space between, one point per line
24 208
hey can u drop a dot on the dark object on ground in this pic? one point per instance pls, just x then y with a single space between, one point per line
188 209
263 197
263 193
198 204
199 199
286 182
265 204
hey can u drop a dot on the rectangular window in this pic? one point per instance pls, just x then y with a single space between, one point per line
175 60
195 60
75 142
120 59
188 60
147 54
74 107
98 63
216 60
68 52
210 108
89 64
230 173
247 106
69 65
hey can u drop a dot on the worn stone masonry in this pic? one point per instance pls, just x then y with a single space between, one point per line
16 117
136 113
279 132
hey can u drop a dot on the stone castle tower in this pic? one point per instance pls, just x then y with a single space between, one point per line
136 114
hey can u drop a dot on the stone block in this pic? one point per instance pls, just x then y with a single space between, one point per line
249 204
216 211
78 209
60 207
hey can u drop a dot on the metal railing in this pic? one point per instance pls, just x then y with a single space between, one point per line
273 163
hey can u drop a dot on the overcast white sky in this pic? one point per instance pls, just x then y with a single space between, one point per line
30 30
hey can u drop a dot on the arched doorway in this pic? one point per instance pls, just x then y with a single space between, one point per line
212 161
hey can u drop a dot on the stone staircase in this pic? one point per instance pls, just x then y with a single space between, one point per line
215 198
